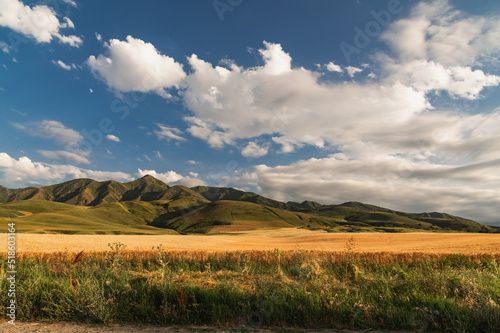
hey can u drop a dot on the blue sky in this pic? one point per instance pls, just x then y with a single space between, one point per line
394 103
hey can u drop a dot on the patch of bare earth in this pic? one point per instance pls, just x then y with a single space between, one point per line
77 328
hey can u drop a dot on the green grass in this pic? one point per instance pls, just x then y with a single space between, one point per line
181 212
227 212
53 217
452 293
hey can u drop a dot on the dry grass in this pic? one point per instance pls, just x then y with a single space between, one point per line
262 258
282 288
284 239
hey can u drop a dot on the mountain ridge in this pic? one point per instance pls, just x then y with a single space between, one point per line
203 209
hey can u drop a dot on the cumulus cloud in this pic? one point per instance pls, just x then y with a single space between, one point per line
74 41
63 65
190 182
51 129
238 103
436 31
395 182
168 133
134 65
208 131
277 61
112 137
425 76
451 156
352 71
68 23
393 147
334 68
24 171
166 177
4 47
171 178
38 22
64 155
253 149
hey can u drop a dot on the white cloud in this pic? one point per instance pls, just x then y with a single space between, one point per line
379 182
134 65
292 105
64 155
190 182
428 76
447 155
74 41
171 178
167 177
98 37
51 129
4 47
254 150
39 22
193 162
71 2
351 70
63 65
168 133
68 23
441 48
112 137
437 32
24 171
334 68
277 61
396 182
208 132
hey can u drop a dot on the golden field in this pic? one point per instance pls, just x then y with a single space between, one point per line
284 239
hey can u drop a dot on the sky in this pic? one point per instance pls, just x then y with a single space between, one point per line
387 102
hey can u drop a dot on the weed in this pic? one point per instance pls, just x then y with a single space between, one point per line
371 291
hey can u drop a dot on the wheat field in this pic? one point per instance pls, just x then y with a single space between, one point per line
284 239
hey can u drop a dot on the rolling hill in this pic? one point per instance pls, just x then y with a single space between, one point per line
149 206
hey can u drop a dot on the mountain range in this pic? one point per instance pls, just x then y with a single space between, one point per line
149 206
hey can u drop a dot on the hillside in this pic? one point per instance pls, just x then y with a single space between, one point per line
226 215
88 192
225 193
149 206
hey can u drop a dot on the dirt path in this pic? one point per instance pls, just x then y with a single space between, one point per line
25 213
77 328
284 239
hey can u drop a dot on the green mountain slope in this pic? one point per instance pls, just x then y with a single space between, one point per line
147 205
35 216
364 215
237 216
224 193
88 192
